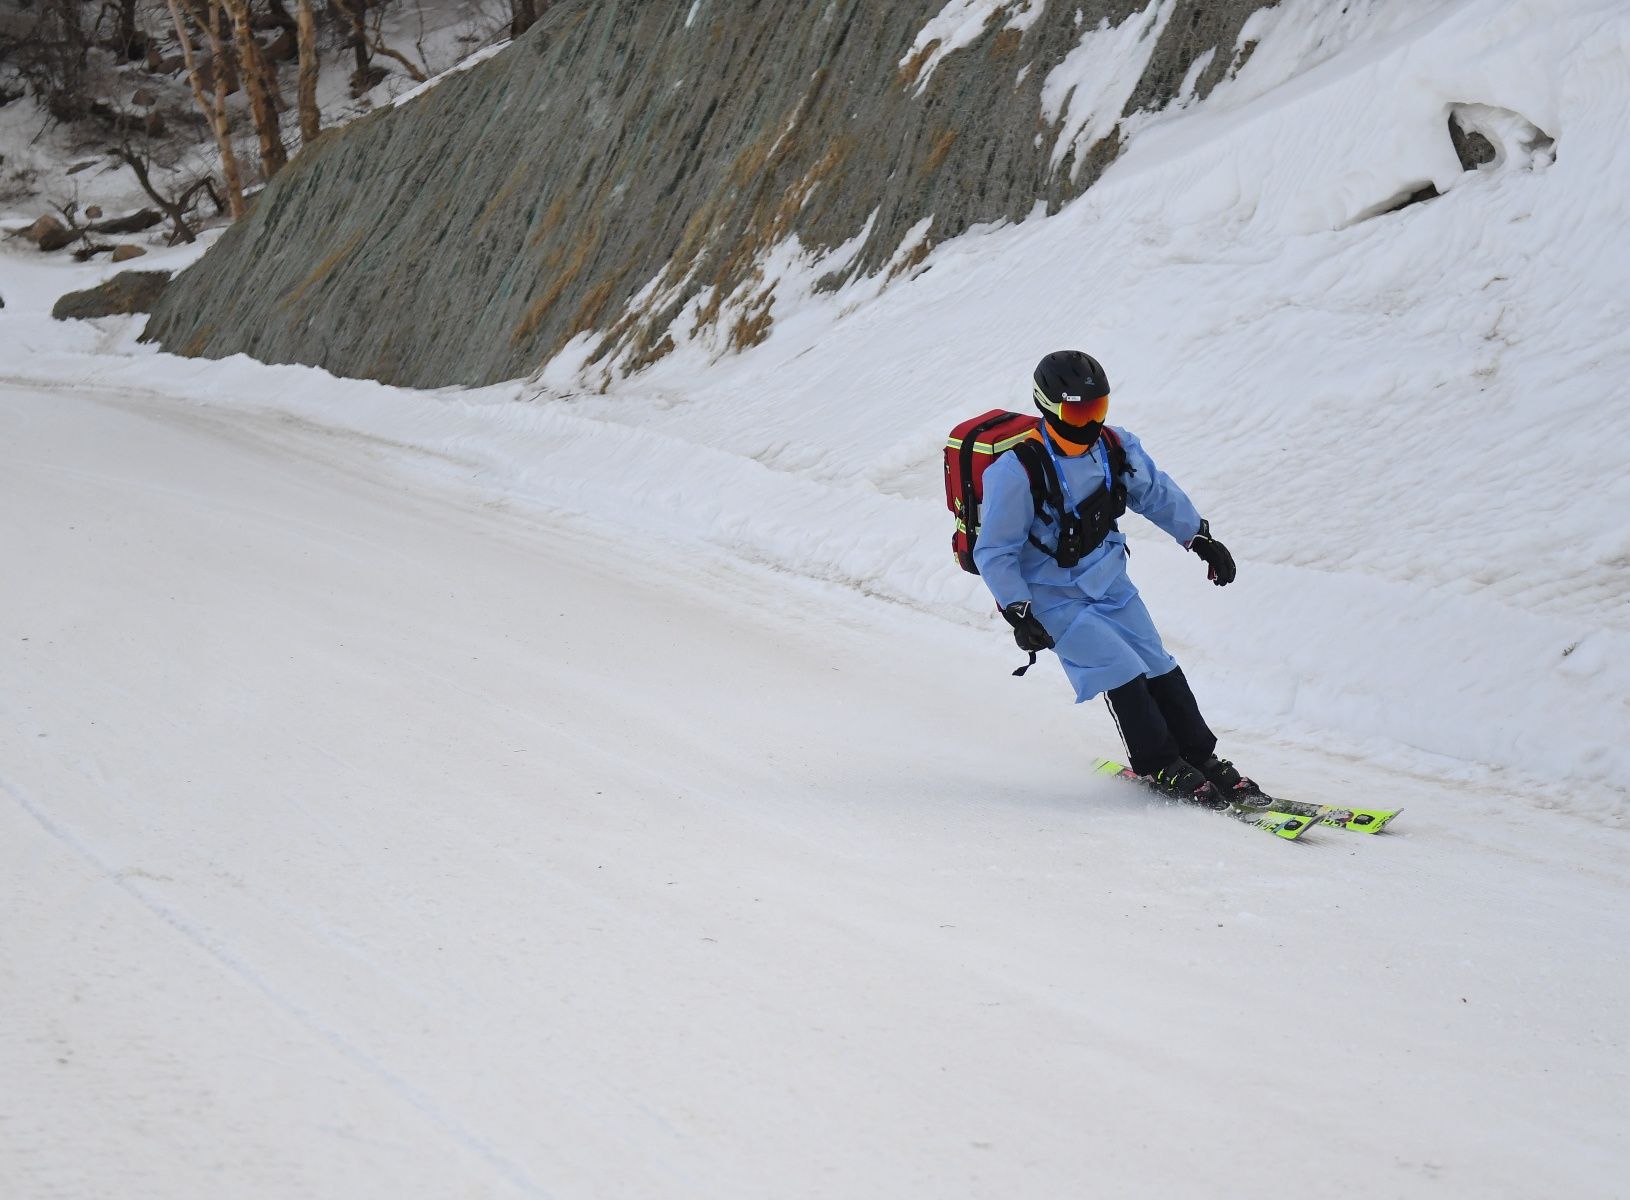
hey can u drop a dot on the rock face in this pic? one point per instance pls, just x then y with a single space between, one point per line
629 157
126 292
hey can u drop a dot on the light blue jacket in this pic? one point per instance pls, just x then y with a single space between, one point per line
1103 635
1010 565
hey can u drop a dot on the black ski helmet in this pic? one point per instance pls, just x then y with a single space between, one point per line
1066 377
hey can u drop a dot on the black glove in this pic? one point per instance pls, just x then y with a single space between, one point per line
1214 554
1028 632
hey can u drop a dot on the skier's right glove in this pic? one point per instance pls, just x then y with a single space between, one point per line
1028 632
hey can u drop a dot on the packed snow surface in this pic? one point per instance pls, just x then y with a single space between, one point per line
364 833
526 791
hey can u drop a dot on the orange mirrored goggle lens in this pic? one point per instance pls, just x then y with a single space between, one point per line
1080 412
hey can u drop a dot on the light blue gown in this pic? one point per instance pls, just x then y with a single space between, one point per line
1103 633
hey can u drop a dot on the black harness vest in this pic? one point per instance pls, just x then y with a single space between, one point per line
1083 528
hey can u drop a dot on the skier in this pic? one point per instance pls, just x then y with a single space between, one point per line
1056 563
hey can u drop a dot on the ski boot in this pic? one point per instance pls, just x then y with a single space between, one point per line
1225 777
1180 780
1236 789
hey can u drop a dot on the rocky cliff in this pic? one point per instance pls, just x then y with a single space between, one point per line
629 165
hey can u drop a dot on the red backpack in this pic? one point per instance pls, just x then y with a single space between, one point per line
974 445
969 452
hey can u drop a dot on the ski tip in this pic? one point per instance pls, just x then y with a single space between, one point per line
1368 820
1290 826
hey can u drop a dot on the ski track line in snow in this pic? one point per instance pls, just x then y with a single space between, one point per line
446 1124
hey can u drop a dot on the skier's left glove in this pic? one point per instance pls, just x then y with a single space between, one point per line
1214 554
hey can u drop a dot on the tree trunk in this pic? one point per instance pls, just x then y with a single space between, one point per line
311 120
176 210
522 15
355 11
280 14
214 111
127 31
256 75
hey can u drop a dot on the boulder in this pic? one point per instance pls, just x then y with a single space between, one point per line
126 252
1471 146
93 212
126 292
43 227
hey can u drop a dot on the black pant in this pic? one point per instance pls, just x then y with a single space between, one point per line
1160 721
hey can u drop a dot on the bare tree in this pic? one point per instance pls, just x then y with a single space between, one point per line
523 14
128 41
311 121
258 78
54 59
174 207
280 14
376 43
213 108
355 14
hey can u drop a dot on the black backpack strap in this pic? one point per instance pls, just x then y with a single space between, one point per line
1118 466
1045 493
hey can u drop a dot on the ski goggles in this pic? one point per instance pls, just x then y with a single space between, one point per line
1075 412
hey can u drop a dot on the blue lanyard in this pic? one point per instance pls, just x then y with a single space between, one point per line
1058 467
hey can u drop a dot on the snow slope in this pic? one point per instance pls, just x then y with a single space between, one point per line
439 793
364 833
1406 425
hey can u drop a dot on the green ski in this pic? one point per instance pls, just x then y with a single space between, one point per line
1359 820
1277 821
1362 820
